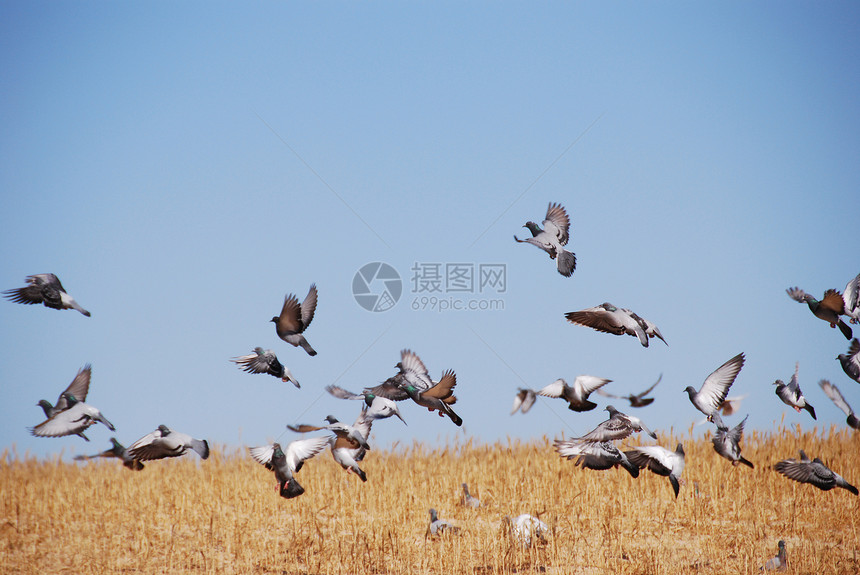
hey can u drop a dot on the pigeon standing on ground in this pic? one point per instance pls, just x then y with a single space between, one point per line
265 362
378 407
661 461
45 289
554 235
295 319
575 395
79 388
117 450
287 463
523 400
813 472
637 400
594 455
713 392
791 395
468 500
836 397
851 361
727 444
829 308
611 319
72 421
440 526
164 442
779 562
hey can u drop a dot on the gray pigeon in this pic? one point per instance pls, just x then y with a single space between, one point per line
295 319
779 562
791 395
836 396
594 455
523 400
264 362
377 407
713 393
164 442
618 426
349 442
117 450
72 421
851 298
439 397
608 318
468 500
575 395
727 444
79 388
829 308
439 527
45 289
851 361
287 463
813 472
411 371
636 400
661 461
554 235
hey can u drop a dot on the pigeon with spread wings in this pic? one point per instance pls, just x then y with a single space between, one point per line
661 461
295 319
636 400
45 289
261 361
791 395
836 397
713 392
79 388
286 463
829 308
609 318
554 235
575 395
164 442
117 450
813 472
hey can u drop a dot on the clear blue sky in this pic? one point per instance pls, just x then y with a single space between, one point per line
181 167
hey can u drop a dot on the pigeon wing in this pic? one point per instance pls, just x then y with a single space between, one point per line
303 449
309 306
589 383
835 396
445 388
342 393
555 389
557 223
833 301
290 319
596 318
263 455
716 386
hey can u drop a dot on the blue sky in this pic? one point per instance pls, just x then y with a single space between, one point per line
183 167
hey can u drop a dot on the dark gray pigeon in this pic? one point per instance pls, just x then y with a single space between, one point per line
523 400
791 395
829 308
295 319
164 442
836 397
594 455
265 362
713 392
554 235
45 289
727 444
79 388
851 361
287 463
637 400
575 395
779 562
117 450
813 472
661 461
72 421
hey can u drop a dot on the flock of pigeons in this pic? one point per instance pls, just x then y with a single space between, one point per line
596 449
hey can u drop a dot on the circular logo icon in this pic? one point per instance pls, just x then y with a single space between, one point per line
377 286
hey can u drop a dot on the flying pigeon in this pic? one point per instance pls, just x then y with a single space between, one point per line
45 289
851 361
731 404
713 392
117 450
851 298
649 326
836 396
439 526
468 500
349 442
829 308
79 388
611 319
727 444
439 397
295 319
523 400
575 395
378 407
594 455
72 421
554 235
164 442
527 528
411 370
287 463
791 395
264 362
814 472
637 400
661 461
779 562
618 426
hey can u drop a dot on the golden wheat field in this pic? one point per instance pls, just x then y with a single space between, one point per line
224 515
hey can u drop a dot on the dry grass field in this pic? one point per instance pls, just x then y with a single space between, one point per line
224 515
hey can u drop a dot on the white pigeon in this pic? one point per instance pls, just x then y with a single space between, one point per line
45 289
286 463
554 235
527 529
577 394
713 392
164 442
661 461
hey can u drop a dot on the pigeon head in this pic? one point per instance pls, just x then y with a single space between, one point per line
45 404
778 382
277 451
433 516
116 444
368 399
331 419
165 431
691 391
679 449
533 228
274 319
611 409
